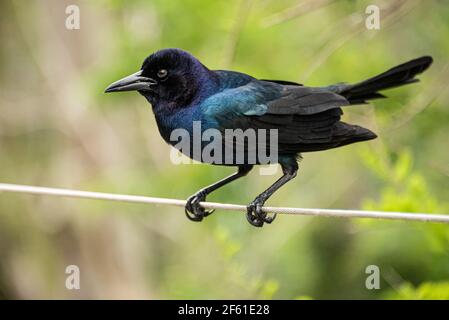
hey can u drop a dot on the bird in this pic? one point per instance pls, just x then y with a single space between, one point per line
182 91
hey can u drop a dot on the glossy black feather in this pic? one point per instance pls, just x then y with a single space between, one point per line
305 133
283 82
398 76
305 100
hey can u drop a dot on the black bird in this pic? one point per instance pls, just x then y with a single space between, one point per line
182 90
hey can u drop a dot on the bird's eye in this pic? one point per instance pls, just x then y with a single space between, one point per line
162 73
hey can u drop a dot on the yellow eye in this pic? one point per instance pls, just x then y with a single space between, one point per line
162 73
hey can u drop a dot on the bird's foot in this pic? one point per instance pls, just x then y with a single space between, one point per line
256 216
193 209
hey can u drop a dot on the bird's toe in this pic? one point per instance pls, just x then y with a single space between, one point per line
253 217
256 216
194 211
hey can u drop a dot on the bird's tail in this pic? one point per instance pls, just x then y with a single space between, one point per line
400 75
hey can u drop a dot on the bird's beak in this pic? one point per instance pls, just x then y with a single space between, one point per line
133 82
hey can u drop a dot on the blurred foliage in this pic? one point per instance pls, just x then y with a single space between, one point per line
426 291
57 128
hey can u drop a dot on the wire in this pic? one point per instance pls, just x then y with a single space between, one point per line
423 217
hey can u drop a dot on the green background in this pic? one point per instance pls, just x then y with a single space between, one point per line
58 128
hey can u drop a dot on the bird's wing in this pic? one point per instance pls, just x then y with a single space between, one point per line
305 101
283 82
261 97
300 114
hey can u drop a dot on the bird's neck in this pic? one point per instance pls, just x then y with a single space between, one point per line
207 84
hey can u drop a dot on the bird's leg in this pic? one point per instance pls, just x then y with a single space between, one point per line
193 209
254 213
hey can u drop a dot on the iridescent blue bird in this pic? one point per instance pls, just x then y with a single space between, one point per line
182 90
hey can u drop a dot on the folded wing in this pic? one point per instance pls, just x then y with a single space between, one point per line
306 119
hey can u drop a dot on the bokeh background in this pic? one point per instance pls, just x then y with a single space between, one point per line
58 128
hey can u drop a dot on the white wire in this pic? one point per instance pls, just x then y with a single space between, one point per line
423 217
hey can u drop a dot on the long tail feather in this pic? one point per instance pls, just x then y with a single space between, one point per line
398 76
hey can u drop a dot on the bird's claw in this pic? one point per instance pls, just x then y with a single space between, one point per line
193 209
256 216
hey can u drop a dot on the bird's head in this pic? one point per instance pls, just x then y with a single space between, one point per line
171 76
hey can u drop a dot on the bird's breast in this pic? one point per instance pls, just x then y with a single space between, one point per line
171 124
